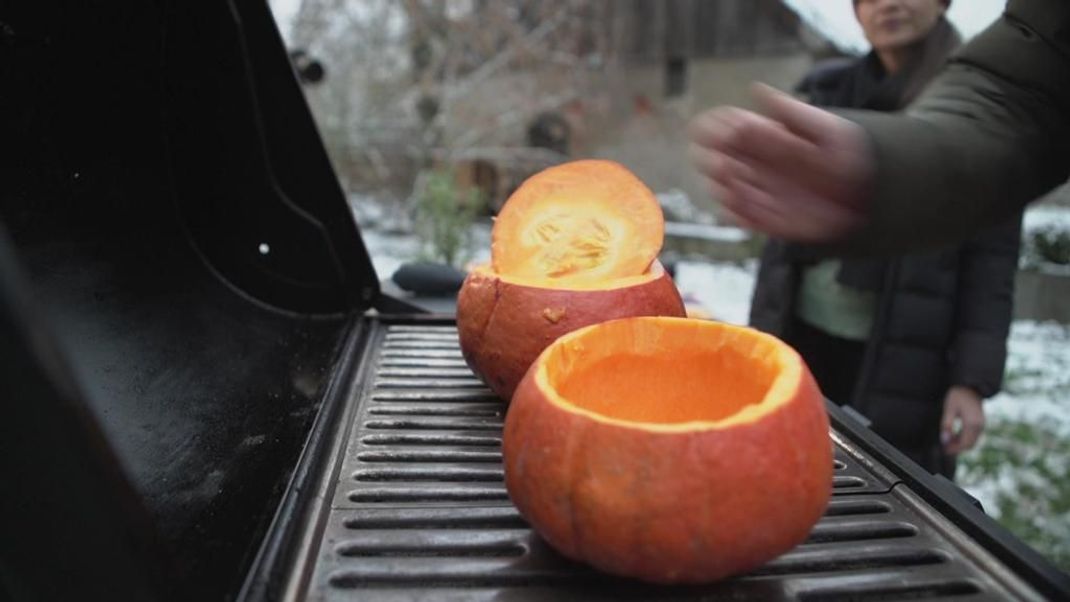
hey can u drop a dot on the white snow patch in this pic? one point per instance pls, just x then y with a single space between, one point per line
722 289
728 234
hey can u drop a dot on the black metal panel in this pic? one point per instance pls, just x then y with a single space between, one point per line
956 507
417 510
62 483
253 181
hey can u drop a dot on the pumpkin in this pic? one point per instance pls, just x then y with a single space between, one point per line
505 323
672 450
576 244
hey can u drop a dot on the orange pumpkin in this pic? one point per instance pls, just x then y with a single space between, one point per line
505 323
576 244
672 450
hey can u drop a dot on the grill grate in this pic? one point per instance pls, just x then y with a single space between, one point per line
420 511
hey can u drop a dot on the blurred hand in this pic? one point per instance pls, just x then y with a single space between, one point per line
797 172
963 421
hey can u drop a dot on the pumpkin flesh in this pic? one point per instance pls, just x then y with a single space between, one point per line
671 450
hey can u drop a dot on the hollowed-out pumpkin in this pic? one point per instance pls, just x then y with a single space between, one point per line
576 244
672 450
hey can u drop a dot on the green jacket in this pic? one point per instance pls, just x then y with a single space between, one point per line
991 134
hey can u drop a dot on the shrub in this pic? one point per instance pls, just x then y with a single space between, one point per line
1024 465
444 217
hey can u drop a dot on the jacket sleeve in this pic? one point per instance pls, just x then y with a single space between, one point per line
991 134
988 264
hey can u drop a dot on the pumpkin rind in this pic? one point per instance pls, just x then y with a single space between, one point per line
685 503
504 324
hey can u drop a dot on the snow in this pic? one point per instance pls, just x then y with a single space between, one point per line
1046 216
726 234
723 290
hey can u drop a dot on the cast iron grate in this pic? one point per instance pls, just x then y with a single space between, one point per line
420 511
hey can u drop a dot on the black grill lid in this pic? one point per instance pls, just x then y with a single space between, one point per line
184 248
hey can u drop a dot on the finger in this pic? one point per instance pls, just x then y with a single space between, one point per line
703 159
957 447
712 126
784 215
725 213
802 119
971 433
735 131
721 168
947 423
727 216
760 209
771 148
747 173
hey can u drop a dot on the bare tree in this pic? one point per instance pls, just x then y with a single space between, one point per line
419 83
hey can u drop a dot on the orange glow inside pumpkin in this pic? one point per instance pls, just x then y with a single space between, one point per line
578 223
669 373
655 271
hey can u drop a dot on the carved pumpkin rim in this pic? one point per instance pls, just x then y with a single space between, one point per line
784 386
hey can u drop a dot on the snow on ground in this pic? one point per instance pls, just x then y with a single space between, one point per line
389 239
722 289
1046 216
1036 392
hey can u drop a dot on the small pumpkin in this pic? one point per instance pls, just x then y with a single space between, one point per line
667 449
576 244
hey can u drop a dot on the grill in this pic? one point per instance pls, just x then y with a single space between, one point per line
207 396
417 510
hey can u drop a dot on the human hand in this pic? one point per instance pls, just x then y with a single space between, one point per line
962 407
797 172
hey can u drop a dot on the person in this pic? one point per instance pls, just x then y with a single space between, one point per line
914 342
991 134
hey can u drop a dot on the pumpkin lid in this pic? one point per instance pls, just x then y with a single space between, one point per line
580 222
